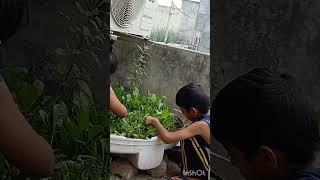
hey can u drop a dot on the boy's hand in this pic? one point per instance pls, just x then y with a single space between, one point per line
151 121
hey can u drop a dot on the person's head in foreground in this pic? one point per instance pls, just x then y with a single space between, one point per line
10 17
266 123
193 101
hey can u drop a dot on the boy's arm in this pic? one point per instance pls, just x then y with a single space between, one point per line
116 106
21 145
171 137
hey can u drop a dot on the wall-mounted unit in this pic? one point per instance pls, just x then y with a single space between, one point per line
132 16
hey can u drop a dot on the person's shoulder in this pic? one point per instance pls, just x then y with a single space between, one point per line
202 125
309 174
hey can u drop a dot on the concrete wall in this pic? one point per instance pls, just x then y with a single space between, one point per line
188 21
282 34
203 26
161 18
170 68
195 24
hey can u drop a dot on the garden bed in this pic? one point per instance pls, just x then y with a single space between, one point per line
139 107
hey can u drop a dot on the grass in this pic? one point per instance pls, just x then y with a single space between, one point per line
159 35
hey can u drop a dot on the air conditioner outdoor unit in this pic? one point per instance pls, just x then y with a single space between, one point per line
132 16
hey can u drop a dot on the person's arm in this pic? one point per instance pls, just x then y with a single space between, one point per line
116 106
21 145
171 137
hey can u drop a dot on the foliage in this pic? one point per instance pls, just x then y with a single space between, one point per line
159 35
69 118
76 129
89 31
139 68
139 106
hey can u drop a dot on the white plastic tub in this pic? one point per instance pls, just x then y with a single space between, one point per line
143 154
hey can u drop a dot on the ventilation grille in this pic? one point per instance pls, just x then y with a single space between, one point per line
124 12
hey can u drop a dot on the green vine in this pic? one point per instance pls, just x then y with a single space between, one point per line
140 66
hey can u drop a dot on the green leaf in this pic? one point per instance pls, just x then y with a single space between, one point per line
75 133
95 57
64 137
84 87
27 95
99 38
104 143
43 117
61 52
60 113
67 52
84 119
72 29
43 114
128 96
94 24
140 48
82 95
81 9
39 86
76 52
93 132
86 31
160 105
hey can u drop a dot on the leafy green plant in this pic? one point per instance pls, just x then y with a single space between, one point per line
139 106
69 118
138 69
72 124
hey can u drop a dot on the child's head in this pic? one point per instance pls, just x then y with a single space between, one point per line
113 59
267 124
10 17
193 101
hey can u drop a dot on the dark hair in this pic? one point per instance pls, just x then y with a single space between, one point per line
193 96
11 13
113 59
266 107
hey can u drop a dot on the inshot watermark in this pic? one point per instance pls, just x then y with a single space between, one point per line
194 173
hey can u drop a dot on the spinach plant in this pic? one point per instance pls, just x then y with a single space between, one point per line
139 106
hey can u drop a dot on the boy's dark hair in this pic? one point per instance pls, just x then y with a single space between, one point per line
11 13
113 59
266 107
193 96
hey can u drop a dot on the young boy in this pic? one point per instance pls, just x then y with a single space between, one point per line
266 123
195 138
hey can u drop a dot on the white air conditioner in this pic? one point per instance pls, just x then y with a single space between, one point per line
132 16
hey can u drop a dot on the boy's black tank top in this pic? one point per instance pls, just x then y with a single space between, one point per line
195 158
